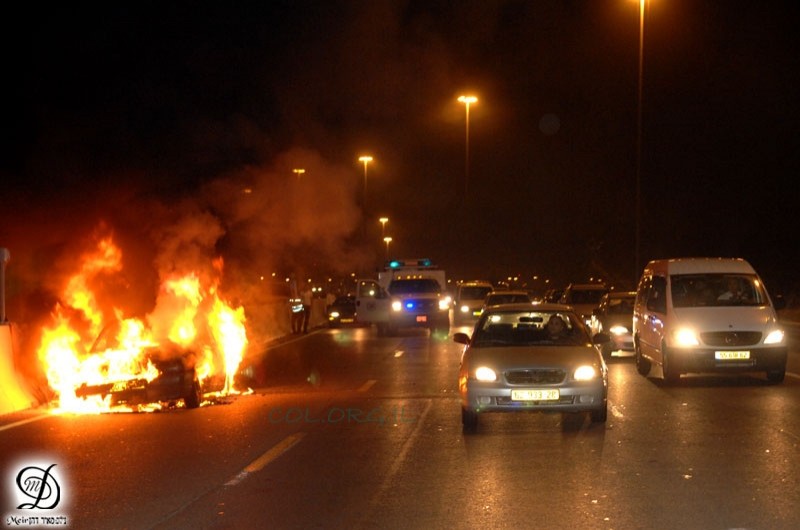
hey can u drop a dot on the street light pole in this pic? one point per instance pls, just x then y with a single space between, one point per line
387 240
467 101
638 206
298 172
366 160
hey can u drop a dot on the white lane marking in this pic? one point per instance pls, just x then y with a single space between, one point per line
366 386
23 422
261 462
400 459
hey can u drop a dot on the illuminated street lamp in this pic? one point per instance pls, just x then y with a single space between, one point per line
366 160
383 221
638 205
467 101
298 172
387 240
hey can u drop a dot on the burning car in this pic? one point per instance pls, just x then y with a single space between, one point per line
96 360
174 381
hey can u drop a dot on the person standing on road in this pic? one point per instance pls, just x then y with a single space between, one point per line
306 296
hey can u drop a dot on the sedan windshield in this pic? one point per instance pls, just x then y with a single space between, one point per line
529 328
507 298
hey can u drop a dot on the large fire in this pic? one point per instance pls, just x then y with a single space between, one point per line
96 360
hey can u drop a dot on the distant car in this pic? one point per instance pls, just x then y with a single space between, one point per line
552 296
342 311
507 297
584 298
614 316
515 362
469 301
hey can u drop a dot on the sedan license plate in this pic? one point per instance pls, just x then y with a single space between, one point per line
422 318
731 355
535 395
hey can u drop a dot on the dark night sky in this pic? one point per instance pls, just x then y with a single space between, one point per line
154 116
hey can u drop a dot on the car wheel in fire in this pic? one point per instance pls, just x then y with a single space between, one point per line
195 397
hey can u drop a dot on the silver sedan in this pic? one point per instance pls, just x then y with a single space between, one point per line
524 359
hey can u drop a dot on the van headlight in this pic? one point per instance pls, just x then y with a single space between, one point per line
397 305
685 338
445 303
774 337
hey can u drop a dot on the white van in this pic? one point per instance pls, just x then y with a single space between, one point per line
700 315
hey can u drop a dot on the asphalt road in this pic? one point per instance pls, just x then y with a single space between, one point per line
346 430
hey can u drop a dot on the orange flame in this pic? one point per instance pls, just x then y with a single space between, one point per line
84 363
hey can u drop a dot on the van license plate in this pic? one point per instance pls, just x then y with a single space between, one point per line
731 355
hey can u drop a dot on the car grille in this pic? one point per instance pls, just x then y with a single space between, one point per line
731 338
535 377
414 305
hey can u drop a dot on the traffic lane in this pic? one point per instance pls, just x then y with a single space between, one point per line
712 452
325 481
348 448
428 450
423 472
328 358
132 470
699 454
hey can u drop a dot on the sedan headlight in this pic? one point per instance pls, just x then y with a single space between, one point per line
774 337
685 338
465 309
334 314
484 373
585 373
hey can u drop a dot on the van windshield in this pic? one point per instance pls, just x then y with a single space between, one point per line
715 290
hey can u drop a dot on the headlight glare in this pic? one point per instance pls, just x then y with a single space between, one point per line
619 330
397 306
685 337
774 337
585 373
484 373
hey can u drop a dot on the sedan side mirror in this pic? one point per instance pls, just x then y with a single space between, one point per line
461 338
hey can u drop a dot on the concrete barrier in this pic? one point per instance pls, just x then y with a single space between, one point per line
13 394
